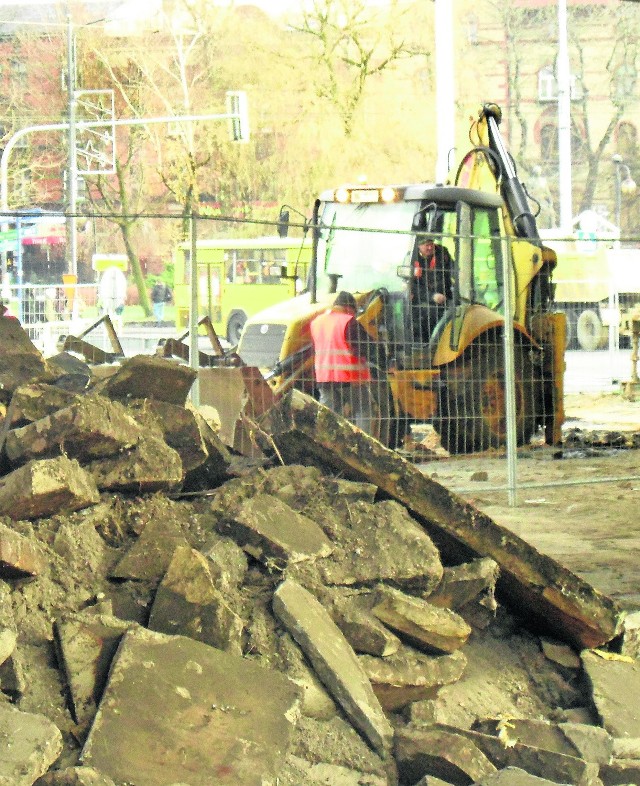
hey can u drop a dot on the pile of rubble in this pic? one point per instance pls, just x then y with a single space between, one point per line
175 614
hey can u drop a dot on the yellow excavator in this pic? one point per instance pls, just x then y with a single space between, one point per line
364 241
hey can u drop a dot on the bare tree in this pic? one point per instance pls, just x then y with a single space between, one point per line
352 44
622 71
161 75
528 30
119 200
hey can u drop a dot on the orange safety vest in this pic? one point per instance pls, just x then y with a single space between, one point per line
334 358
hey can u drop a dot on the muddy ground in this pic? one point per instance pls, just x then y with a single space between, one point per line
580 506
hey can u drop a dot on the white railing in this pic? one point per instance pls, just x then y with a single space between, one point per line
48 311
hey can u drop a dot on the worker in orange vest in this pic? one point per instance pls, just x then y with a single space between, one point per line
343 349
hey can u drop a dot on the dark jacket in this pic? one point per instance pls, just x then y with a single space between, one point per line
160 293
432 275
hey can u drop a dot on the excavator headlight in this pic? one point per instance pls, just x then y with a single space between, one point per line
342 195
388 194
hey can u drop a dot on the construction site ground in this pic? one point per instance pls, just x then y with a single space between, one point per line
340 604
580 505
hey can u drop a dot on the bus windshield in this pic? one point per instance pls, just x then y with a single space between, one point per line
238 277
364 260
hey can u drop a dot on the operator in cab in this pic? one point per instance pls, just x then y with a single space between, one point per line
342 351
431 287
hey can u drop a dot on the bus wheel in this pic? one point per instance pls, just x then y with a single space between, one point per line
234 327
472 407
590 331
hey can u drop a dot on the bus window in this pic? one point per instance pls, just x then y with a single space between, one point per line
240 276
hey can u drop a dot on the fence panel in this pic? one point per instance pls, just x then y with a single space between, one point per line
423 399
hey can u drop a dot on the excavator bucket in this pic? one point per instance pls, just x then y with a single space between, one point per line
226 384
240 395
92 353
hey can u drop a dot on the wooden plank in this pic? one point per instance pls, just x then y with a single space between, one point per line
548 596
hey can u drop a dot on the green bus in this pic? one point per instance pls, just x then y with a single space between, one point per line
238 277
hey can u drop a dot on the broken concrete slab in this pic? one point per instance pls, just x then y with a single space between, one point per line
631 635
533 584
216 466
463 583
430 780
149 377
620 772
86 643
272 532
12 677
423 625
591 742
131 600
513 776
30 745
8 640
352 614
150 555
628 748
615 688
20 361
299 771
74 776
315 700
47 487
334 661
227 563
187 603
554 766
409 676
571 739
149 467
431 751
71 373
174 706
178 427
560 653
404 554
20 556
92 428
38 400
334 775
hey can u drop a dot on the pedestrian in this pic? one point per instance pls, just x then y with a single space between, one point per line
431 286
342 351
160 294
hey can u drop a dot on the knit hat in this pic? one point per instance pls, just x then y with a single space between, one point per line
346 300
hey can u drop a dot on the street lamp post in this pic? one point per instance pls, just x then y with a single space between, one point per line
563 75
237 113
626 186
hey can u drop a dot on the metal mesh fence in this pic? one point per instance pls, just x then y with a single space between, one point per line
480 372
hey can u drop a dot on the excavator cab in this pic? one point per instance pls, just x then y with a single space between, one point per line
364 242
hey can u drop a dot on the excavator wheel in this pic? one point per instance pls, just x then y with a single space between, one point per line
384 420
472 407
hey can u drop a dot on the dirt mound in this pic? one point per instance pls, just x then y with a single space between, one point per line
173 612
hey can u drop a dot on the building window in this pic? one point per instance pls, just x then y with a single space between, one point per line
624 82
548 85
627 141
19 74
549 143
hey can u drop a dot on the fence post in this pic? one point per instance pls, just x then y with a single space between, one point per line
193 310
509 381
